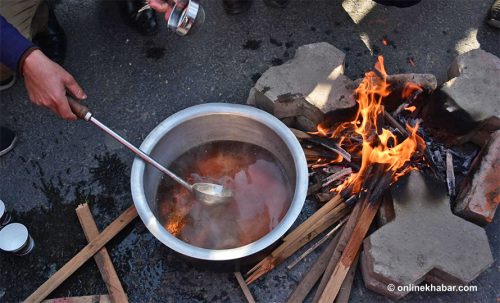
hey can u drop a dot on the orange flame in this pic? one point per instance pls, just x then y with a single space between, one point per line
379 145
409 89
411 108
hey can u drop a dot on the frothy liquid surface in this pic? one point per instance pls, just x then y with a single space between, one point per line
262 195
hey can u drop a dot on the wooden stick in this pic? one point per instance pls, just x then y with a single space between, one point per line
345 289
344 238
334 177
102 258
300 134
324 197
86 253
244 287
83 299
394 123
349 254
317 244
289 248
450 173
312 276
327 215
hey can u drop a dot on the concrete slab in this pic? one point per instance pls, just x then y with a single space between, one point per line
316 72
473 85
425 241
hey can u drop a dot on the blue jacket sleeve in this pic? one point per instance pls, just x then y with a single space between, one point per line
12 45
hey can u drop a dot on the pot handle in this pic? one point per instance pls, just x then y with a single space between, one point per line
78 109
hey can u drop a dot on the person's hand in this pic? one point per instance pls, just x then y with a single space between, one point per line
162 6
47 84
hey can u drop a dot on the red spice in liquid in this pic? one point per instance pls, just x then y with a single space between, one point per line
262 195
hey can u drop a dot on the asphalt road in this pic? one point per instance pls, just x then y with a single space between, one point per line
134 82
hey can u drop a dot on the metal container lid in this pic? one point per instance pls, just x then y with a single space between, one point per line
13 237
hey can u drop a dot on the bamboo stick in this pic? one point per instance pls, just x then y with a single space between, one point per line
345 289
327 215
244 287
344 238
317 244
86 253
349 254
102 258
83 299
312 276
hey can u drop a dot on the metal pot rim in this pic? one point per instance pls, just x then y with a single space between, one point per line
154 226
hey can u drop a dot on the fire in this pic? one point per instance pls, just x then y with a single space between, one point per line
411 108
379 147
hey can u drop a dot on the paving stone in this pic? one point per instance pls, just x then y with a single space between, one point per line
372 283
425 241
316 72
473 85
427 82
296 112
480 196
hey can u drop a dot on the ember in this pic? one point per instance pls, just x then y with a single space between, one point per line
262 196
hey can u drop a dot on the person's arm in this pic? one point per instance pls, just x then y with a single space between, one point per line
46 82
13 46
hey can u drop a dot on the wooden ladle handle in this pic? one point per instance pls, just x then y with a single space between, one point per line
78 109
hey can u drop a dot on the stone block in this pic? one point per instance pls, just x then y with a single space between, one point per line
425 241
473 85
316 72
480 195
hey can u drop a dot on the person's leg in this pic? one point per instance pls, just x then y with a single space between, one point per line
48 34
145 21
494 14
20 14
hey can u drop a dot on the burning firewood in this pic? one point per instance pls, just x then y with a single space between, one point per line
367 155
336 176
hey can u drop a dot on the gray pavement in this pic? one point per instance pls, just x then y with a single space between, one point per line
134 82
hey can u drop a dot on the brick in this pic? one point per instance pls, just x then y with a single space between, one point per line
480 195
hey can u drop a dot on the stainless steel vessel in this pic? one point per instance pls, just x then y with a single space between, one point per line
215 122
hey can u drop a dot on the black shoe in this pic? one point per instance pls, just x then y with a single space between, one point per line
398 3
494 15
276 3
234 7
8 139
7 83
145 21
53 41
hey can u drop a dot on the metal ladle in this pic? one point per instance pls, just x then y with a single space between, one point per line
208 193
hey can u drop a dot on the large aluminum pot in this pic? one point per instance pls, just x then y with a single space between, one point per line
214 122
